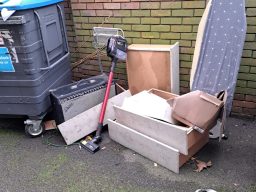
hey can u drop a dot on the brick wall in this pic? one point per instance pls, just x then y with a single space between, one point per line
70 30
160 22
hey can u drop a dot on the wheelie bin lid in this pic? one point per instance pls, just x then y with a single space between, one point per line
25 4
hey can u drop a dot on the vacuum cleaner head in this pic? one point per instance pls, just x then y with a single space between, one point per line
91 146
117 48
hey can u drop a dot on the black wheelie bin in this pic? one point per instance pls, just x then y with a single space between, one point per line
34 58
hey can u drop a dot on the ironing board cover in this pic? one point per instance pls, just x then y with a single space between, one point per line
219 47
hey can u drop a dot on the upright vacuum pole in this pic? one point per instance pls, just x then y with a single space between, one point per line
97 137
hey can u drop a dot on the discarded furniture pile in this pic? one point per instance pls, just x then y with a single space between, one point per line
151 117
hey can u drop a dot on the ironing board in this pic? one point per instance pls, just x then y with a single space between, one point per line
219 47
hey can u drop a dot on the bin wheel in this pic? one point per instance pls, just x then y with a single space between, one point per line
34 130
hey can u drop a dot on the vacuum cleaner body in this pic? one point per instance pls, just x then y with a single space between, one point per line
116 50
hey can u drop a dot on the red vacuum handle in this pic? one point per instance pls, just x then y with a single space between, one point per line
105 102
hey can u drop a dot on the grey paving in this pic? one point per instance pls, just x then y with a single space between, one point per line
31 165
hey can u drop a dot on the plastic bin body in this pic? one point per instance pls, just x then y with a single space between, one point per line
35 41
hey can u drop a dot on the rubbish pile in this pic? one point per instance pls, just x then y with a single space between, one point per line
147 123
150 118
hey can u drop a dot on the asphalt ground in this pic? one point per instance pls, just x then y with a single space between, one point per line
28 165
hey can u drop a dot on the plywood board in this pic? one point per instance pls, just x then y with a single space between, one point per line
152 149
153 66
86 122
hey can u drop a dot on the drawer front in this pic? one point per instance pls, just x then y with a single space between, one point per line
178 137
172 135
150 148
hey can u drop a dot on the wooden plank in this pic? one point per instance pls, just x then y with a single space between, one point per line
150 148
165 95
86 122
175 69
149 47
172 135
199 40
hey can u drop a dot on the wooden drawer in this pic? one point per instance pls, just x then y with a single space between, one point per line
178 137
152 149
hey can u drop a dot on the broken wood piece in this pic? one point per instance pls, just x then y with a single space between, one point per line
50 125
86 122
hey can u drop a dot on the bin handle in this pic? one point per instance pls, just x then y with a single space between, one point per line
39 21
55 63
32 71
63 26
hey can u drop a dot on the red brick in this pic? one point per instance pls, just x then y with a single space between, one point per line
111 5
239 96
86 1
94 6
102 1
151 5
244 104
250 98
132 5
104 13
88 13
66 4
237 109
78 6
249 111
250 105
67 10
184 90
121 1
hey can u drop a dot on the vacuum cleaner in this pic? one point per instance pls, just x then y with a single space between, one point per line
116 50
